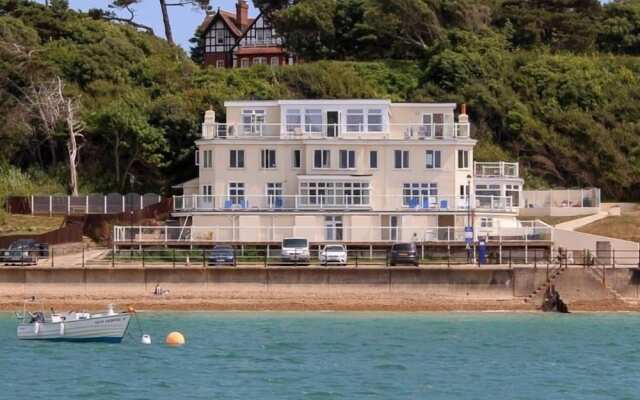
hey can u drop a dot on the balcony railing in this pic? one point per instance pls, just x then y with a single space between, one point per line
496 170
343 202
318 234
332 131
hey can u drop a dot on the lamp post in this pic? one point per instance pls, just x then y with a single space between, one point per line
468 230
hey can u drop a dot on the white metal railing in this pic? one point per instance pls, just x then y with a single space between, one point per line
496 169
342 202
329 131
319 233
113 203
560 198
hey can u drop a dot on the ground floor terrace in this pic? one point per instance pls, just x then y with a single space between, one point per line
374 228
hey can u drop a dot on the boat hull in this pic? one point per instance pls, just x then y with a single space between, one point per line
109 329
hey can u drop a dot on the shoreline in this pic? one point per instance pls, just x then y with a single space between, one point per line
266 302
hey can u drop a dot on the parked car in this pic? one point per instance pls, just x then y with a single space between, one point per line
333 253
24 251
295 250
403 253
222 254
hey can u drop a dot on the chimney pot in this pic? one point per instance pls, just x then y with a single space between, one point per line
463 108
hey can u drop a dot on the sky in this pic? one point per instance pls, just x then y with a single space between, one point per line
184 20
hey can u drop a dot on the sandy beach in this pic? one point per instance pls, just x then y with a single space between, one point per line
308 301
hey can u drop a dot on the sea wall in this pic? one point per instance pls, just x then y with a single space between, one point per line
479 283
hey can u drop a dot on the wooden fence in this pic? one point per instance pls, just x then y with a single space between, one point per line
70 233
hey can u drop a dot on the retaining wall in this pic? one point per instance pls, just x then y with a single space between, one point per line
573 284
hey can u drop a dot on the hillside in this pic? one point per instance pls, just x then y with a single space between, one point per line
570 118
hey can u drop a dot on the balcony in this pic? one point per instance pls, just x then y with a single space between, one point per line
496 170
337 131
350 202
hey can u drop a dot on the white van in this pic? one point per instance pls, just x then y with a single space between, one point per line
295 250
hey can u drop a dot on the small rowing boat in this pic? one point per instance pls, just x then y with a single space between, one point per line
109 326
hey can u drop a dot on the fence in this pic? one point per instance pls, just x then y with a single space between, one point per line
561 198
359 234
112 203
70 233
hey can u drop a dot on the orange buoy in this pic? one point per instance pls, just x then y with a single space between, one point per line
175 339
131 310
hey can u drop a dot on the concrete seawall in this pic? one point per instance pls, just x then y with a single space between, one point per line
573 284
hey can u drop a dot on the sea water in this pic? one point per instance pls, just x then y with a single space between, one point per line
337 356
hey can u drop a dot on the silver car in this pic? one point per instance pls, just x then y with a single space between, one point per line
295 250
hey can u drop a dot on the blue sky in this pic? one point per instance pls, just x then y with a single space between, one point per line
184 20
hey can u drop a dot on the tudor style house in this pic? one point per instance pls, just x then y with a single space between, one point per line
358 171
235 40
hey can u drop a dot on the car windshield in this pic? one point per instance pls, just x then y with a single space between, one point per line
296 243
223 250
403 247
21 243
334 248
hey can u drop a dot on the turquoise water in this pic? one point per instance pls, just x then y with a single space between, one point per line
338 356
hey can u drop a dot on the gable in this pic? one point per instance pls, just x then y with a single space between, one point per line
260 34
219 35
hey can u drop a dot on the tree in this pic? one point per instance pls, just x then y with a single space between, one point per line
164 8
620 28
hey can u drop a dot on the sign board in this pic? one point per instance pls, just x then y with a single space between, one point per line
468 234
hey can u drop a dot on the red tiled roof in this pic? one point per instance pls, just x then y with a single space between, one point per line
244 51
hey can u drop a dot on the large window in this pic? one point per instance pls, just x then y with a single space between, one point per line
487 190
374 120
313 120
236 158
463 159
252 121
268 158
433 159
513 191
333 227
355 120
236 195
293 119
207 159
401 159
432 125
334 194
296 159
373 159
419 194
273 191
486 222
347 159
321 159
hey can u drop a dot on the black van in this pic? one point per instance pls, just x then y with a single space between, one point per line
403 253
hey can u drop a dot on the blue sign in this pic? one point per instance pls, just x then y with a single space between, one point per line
482 253
468 234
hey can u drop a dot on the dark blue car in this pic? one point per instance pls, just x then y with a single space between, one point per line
222 255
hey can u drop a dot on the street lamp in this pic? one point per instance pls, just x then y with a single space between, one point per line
469 223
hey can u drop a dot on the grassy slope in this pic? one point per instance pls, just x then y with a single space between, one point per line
13 224
626 226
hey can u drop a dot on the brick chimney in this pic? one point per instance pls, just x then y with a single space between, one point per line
242 14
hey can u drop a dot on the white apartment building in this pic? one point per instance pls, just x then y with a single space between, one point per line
357 171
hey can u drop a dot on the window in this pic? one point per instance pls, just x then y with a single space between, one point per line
432 125
259 60
244 62
347 159
463 159
296 159
268 158
419 194
334 194
219 63
322 159
374 120
252 121
207 158
355 120
293 120
313 120
197 157
236 194
275 61
487 190
433 159
513 191
273 191
207 190
486 222
333 227
236 158
401 159
373 159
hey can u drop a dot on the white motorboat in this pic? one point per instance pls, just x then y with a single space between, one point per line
72 326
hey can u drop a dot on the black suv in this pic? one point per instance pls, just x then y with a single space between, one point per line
24 251
403 253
